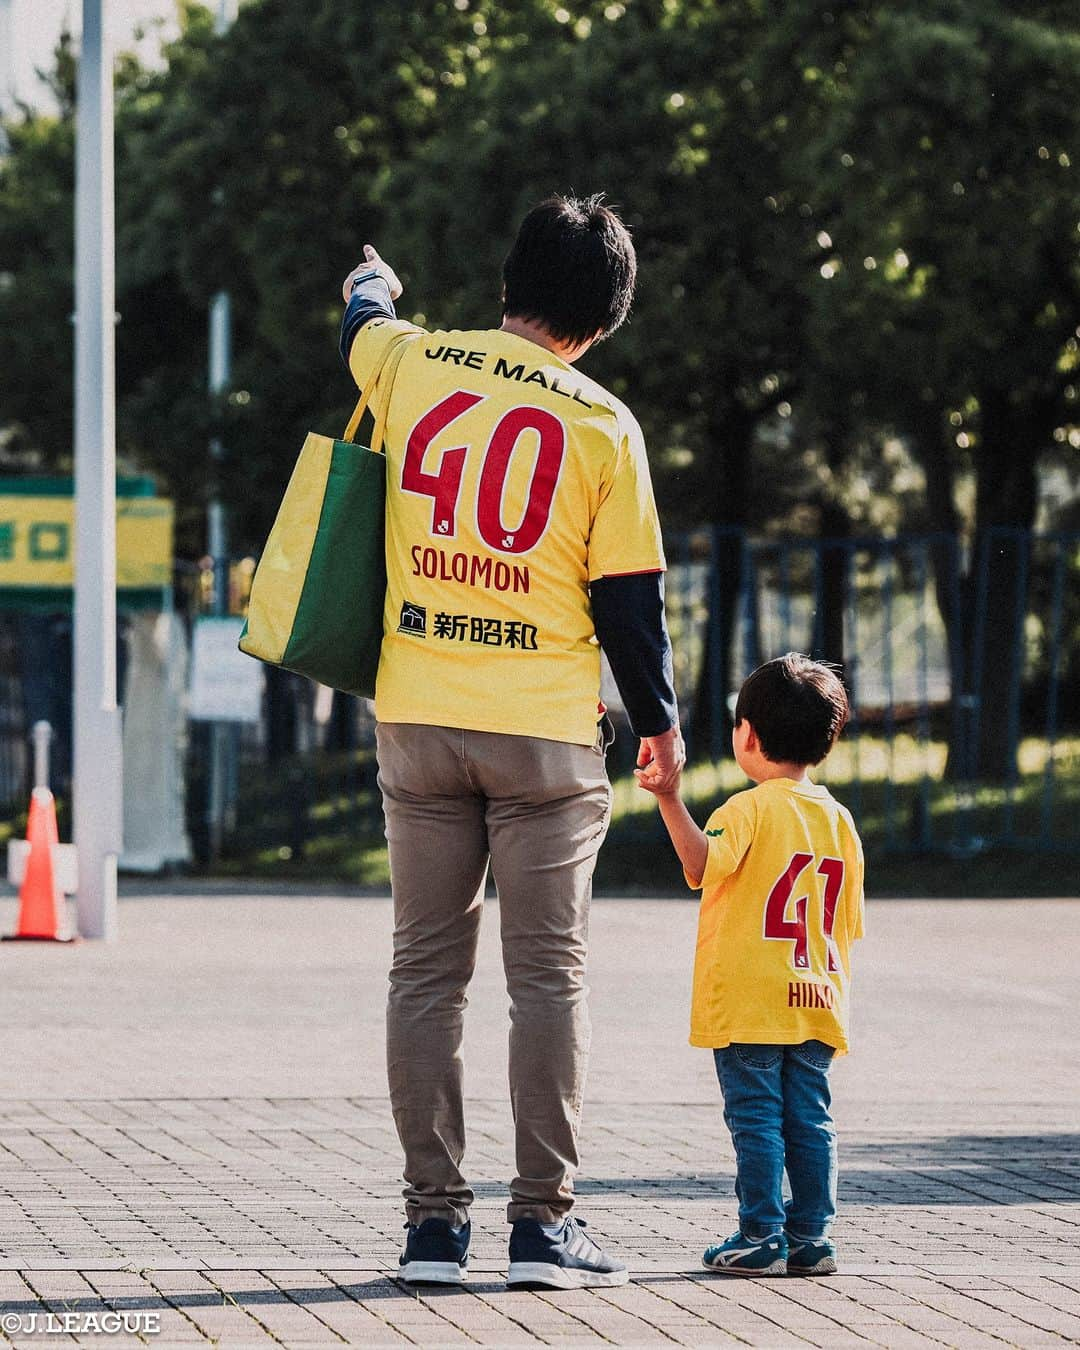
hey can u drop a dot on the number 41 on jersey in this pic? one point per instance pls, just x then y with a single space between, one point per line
781 927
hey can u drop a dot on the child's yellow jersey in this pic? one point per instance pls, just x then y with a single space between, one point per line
782 902
513 481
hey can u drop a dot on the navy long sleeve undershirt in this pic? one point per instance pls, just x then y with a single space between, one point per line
628 615
628 611
370 299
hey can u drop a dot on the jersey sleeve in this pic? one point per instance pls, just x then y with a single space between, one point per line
729 831
625 535
370 344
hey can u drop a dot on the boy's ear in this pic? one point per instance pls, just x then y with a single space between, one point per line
752 743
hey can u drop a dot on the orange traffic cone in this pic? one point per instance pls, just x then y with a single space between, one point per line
40 899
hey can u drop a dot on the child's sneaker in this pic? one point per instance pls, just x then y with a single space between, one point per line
435 1253
747 1256
811 1258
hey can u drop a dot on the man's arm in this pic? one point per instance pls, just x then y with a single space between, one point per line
369 292
370 300
628 615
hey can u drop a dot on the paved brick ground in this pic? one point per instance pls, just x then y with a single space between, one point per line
192 1123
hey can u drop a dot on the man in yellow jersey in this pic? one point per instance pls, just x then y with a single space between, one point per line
781 870
522 537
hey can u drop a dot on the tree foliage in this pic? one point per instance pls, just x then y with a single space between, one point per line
857 227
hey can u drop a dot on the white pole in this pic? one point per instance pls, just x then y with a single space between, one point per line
97 790
7 66
217 547
220 364
7 55
217 534
220 374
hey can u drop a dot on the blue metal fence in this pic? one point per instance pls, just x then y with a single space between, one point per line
962 666
939 642
950 653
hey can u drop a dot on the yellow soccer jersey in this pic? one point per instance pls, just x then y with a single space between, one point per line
782 902
513 481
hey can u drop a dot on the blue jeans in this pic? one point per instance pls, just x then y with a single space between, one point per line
776 1105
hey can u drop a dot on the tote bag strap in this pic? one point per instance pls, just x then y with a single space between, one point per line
390 370
388 363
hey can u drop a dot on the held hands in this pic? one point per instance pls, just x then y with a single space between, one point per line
660 762
372 263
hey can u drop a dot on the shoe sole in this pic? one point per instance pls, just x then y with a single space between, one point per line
750 1272
550 1276
826 1266
432 1272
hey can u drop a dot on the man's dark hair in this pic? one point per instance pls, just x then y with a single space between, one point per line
571 269
796 706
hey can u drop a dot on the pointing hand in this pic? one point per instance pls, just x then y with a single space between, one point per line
372 262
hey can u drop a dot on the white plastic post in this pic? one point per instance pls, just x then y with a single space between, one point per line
41 735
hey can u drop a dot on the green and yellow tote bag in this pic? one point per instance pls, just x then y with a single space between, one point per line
317 595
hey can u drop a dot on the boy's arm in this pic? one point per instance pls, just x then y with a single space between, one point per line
709 855
690 842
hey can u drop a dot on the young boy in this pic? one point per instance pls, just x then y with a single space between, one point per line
781 871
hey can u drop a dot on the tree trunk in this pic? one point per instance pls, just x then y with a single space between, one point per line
994 591
930 444
281 714
712 721
835 528
341 731
996 646
731 436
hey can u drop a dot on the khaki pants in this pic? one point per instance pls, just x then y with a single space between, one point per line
539 811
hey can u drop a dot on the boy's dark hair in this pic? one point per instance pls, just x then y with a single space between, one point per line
796 706
572 269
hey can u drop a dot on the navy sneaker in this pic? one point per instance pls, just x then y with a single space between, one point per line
560 1256
811 1258
748 1256
435 1253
